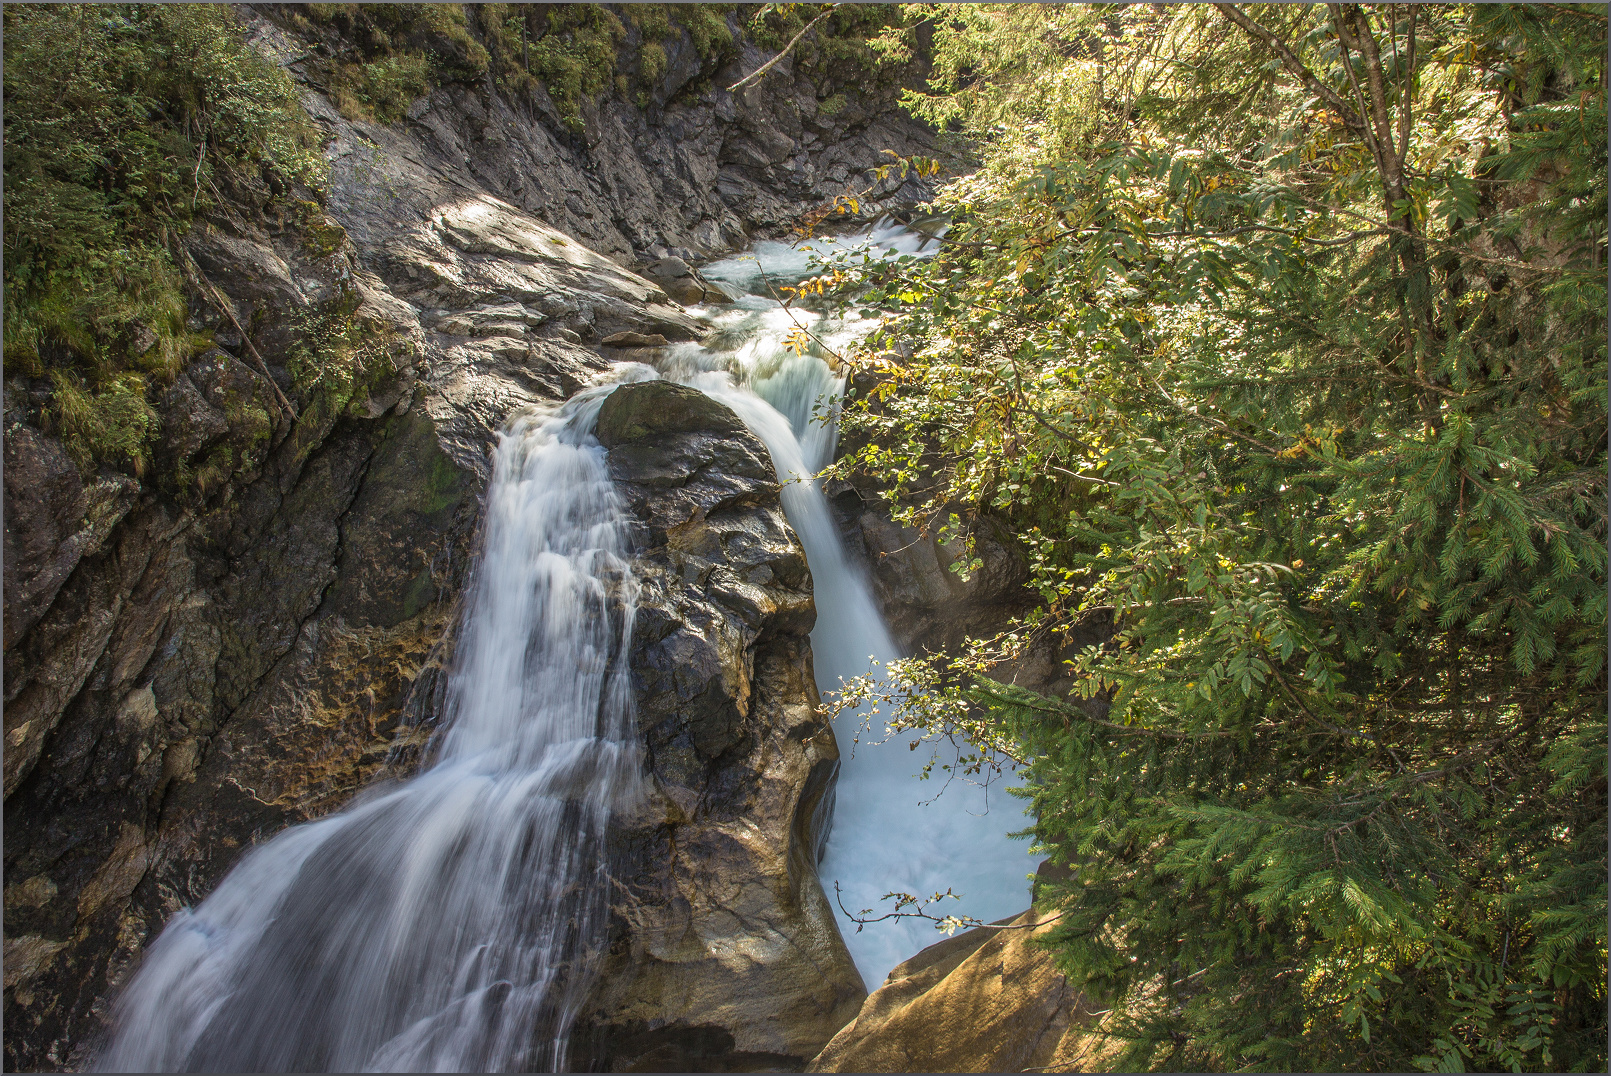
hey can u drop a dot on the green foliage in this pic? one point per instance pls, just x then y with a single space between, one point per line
380 89
113 423
652 21
339 356
382 32
1312 414
844 45
651 65
707 25
832 104
121 121
395 53
575 57
577 51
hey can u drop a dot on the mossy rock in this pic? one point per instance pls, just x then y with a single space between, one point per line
648 409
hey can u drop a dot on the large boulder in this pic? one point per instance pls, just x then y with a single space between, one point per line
683 282
644 411
724 953
988 1000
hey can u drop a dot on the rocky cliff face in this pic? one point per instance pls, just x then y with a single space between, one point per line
239 640
724 953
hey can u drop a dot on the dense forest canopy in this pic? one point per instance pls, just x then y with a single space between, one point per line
1277 335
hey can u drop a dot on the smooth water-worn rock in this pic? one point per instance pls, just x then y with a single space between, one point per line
987 1000
724 954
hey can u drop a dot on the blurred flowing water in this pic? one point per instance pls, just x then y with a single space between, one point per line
445 923
891 831
450 922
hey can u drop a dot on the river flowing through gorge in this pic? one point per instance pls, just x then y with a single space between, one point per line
892 832
449 922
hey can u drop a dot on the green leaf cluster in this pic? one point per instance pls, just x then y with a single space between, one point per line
1291 374
123 122
390 55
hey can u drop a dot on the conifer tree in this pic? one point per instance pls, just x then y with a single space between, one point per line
1277 335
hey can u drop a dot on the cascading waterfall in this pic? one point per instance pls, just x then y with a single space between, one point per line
450 922
445 923
891 831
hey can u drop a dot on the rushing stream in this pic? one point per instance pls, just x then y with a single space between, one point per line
891 830
432 925
447 922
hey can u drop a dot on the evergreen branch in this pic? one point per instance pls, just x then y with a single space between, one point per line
1052 706
1593 16
1294 65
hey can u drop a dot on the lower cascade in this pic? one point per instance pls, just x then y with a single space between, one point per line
445 923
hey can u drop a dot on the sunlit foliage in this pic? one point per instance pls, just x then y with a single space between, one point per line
1277 336
123 122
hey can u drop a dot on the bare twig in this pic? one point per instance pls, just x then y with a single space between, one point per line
223 304
764 68
958 921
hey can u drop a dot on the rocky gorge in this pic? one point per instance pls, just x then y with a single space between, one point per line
261 627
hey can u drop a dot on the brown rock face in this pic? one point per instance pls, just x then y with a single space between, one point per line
216 670
984 1001
724 954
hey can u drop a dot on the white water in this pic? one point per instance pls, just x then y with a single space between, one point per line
445 923
887 836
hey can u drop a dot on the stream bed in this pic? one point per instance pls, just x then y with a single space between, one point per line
451 921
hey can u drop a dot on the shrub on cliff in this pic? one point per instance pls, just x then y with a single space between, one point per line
122 123
1278 334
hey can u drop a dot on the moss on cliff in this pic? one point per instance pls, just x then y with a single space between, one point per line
391 54
339 355
122 123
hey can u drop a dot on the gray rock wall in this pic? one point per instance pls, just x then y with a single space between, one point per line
724 954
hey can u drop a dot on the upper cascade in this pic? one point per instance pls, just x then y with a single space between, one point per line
892 831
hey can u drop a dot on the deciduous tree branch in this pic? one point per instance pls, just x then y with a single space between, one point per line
764 68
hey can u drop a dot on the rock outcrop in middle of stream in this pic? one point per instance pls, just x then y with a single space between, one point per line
724 955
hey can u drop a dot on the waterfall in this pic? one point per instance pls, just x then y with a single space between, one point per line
891 830
451 922
446 923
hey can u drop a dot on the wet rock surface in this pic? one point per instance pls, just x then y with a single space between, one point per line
724 954
211 674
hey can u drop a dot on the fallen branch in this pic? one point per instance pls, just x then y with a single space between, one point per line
223 304
764 68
